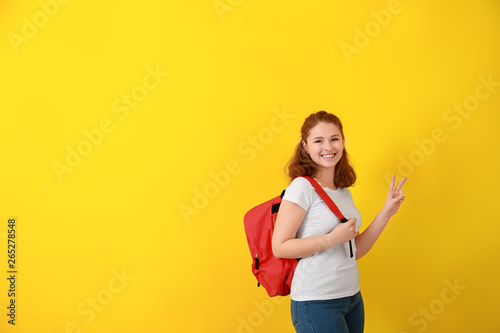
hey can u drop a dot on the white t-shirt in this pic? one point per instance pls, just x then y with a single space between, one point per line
330 273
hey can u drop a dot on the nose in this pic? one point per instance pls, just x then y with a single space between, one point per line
328 146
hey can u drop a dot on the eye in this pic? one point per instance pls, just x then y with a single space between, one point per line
335 139
317 141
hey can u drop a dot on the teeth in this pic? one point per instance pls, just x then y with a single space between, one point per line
331 155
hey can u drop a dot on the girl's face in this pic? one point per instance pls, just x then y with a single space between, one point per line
325 145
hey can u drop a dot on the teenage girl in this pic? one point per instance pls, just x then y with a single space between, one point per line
325 293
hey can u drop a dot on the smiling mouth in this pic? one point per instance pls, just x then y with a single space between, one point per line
329 155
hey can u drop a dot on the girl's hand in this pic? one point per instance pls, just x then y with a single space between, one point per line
395 197
344 232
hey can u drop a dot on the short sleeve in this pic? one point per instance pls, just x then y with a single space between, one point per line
300 192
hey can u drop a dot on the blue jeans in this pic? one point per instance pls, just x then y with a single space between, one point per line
341 315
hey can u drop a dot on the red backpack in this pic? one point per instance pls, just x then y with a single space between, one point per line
274 274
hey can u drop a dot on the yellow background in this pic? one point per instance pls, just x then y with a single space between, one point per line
232 67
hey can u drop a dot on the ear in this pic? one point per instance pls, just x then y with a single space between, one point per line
304 145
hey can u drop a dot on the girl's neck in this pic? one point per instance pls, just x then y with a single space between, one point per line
325 181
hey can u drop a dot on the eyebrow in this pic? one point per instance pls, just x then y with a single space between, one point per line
320 137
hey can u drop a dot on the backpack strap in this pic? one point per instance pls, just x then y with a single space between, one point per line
333 207
276 207
329 202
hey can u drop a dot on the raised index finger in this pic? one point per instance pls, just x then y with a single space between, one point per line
393 181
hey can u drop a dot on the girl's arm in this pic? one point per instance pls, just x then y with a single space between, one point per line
286 245
365 240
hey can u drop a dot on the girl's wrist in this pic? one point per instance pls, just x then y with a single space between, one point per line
332 239
385 213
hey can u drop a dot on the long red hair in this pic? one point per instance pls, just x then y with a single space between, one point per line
301 163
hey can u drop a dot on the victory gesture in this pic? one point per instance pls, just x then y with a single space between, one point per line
395 197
